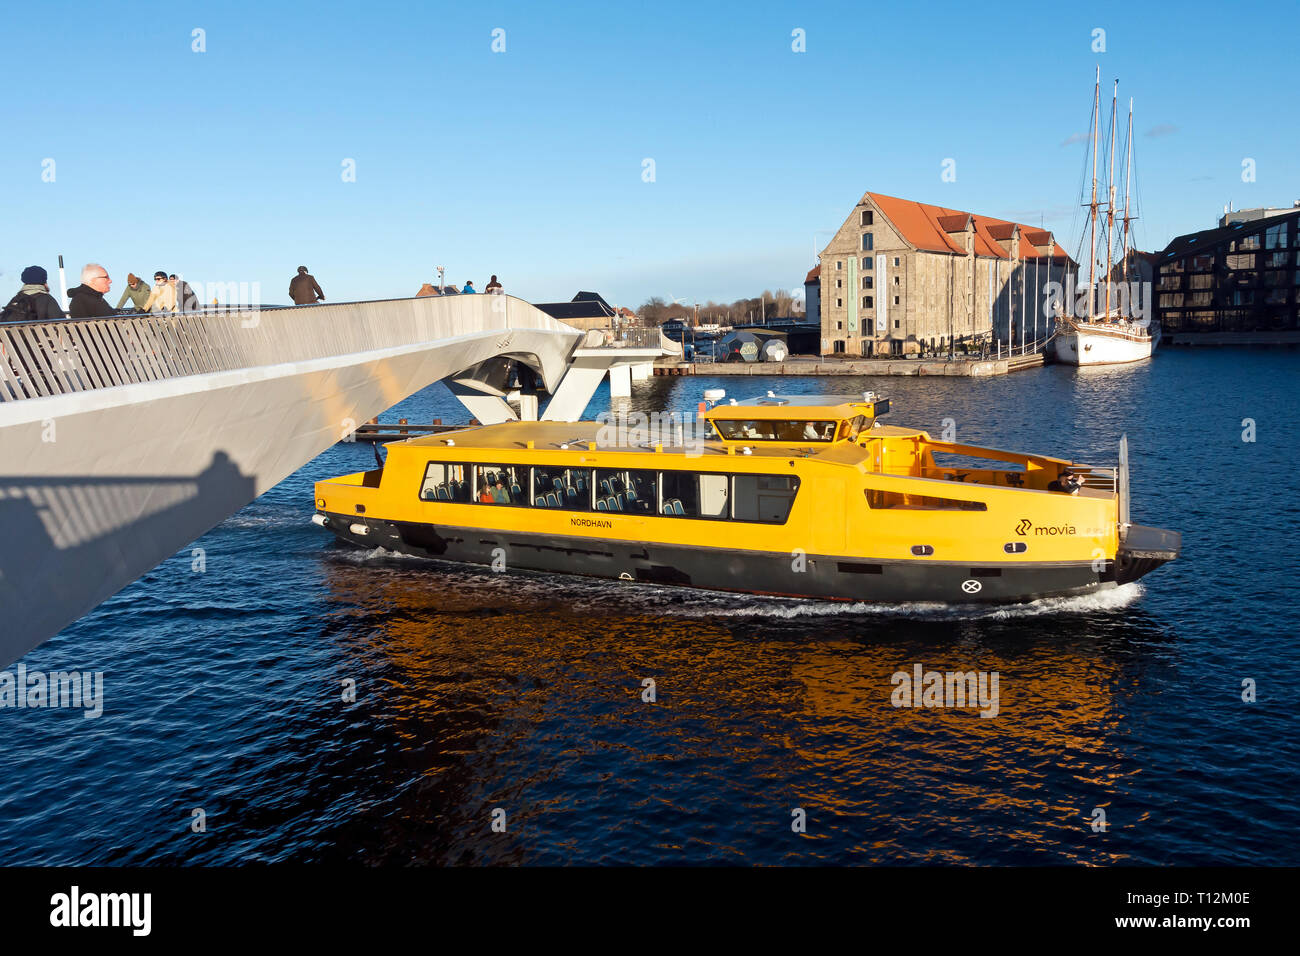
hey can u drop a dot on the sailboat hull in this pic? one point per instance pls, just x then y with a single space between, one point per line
1084 346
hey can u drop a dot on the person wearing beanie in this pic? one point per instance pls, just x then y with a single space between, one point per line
86 301
136 290
303 288
33 303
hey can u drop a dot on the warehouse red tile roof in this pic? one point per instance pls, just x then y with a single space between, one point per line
813 274
928 227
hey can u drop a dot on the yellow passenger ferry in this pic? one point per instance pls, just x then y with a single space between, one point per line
807 496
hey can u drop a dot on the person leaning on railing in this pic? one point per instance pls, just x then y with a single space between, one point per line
137 290
33 303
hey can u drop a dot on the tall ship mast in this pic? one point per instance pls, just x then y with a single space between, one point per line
1110 202
1128 168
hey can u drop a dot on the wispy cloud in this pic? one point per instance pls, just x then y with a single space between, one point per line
1074 138
1163 129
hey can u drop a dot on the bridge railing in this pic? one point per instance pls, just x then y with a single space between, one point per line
39 359
633 338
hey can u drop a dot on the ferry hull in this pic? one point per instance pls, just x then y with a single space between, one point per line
822 577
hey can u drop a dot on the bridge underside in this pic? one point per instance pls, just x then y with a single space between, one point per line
98 485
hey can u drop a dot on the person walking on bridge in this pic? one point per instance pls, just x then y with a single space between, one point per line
86 301
33 303
303 288
136 290
163 296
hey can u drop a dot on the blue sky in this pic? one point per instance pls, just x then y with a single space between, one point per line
226 165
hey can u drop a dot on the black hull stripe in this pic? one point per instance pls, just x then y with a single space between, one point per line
815 576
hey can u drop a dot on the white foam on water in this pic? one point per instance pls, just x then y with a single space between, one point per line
583 593
378 555
771 607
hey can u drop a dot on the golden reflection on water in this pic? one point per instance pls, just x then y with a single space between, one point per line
529 688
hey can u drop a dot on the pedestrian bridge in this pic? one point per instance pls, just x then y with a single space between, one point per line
123 439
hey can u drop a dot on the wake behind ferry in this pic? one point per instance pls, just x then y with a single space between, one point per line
802 496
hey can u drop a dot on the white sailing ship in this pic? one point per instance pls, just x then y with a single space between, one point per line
1115 335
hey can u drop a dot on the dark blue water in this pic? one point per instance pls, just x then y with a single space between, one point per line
477 691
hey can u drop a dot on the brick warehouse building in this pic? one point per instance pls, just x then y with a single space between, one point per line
900 276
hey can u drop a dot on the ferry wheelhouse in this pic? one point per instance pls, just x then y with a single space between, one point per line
808 496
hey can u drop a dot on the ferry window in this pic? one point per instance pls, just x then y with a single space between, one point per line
445 482
795 432
566 488
763 497
500 484
631 490
855 427
688 494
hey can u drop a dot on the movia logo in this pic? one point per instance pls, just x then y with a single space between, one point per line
1026 526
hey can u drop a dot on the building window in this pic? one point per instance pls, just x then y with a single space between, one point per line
895 300
866 302
839 346
839 303
867 262
839 263
896 322
1275 237
866 282
868 217
895 261
839 326
867 242
839 283
895 280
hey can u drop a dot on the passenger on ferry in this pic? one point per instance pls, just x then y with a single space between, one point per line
1066 482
